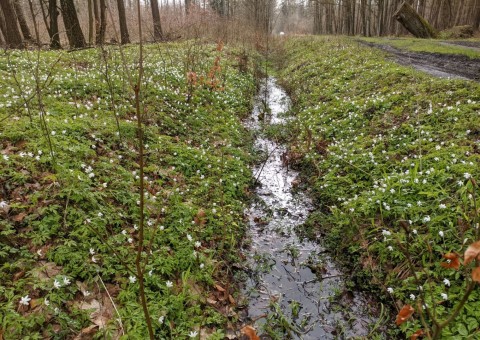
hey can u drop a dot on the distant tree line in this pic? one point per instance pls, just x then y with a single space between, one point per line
15 31
375 17
82 23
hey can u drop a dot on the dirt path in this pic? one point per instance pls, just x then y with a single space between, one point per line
436 64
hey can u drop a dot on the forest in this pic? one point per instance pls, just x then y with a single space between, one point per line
239 169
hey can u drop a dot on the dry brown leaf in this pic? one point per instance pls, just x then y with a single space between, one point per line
405 313
46 271
211 301
93 304
250 332
20 144
87 333
472 252
453 261
219 288
200 219
476 274
101 312
231 299
35 303
19 217
19 275
417 334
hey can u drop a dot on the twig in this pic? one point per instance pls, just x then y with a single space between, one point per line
113 304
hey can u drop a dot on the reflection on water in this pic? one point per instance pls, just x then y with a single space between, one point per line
291 271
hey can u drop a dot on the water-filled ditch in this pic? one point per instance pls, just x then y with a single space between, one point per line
293 284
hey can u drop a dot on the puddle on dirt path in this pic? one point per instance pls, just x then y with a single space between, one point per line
452 66
294 274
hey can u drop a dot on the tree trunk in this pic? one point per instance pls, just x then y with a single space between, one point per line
124 36
380 25
363 17
34 21
100 34
2 41
74 32
157 26
188 4
3 25
13 37
90 22
53 32
413 22
422 4
44 16
477 16
21 20
317 18
96 18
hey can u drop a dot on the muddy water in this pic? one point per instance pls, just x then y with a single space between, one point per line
291 277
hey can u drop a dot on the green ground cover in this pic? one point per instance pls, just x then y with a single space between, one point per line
69 190
392 156
427 45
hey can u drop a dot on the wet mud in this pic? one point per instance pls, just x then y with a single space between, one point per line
437 64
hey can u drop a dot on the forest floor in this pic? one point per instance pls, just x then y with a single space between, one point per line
70 196
388 154
444 65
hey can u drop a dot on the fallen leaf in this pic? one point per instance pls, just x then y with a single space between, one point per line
219 288
405 313
200 219
20 144
231 299
19 217
87 333
472 252
250 332
453 261
46 271
476 274
417 334
211 301
93 304
35 303
19 275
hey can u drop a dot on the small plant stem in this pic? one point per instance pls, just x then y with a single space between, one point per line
141 236
41 108
113 304
406 252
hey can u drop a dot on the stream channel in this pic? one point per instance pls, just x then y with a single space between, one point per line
292 278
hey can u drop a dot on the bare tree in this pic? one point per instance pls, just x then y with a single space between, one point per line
2 41
13 37
100 21
90 22
21 20
53 14
72 25
157 27
124 36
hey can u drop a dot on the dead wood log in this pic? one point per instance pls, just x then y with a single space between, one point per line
413 22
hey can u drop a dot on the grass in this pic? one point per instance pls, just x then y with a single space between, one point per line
425 45
389 154
69 190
